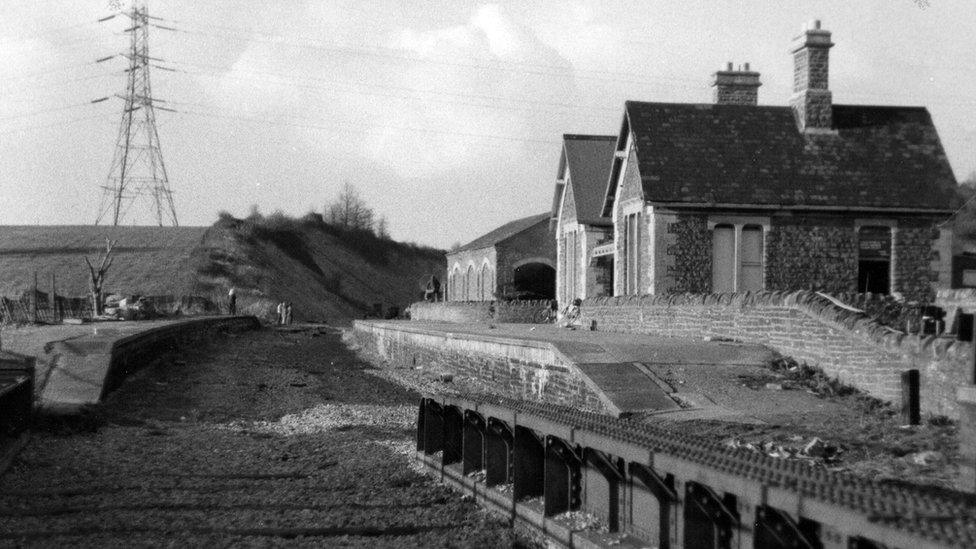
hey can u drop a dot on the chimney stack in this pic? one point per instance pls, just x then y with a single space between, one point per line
811 99
736 87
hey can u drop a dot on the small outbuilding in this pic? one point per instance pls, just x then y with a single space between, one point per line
514 261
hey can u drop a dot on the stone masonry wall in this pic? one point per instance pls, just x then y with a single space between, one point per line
692 255
518 312
811 254
536 241
952 300
514 368
914 250
846 345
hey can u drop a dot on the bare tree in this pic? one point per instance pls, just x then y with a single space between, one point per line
98 275
350 210
381 230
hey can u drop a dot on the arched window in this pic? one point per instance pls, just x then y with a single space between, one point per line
469 284
485 281
455 285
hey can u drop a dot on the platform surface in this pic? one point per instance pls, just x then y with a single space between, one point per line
676 378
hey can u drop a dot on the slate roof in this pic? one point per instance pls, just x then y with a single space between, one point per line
507 230
589 158
879 157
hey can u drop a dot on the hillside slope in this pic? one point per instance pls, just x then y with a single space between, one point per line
327 273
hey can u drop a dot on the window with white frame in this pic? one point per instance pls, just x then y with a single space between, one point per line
737 257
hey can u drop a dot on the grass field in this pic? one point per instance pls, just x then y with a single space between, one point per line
149 260
326 272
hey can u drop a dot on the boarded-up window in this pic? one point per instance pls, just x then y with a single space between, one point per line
751 262
723 259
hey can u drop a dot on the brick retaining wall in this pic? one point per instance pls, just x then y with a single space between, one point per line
528 370
850 346
518 312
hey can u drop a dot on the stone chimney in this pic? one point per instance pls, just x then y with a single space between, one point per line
811 100
736 87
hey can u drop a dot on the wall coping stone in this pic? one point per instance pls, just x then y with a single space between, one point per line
803 301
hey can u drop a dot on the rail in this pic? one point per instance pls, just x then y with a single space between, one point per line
539 464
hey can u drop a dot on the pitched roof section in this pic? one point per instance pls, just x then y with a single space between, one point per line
589 158
879 157
507 230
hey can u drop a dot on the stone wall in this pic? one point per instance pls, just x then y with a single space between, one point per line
535 243
811 253
846 345
956 299
530 370
465 269
692 255
519 312
915 248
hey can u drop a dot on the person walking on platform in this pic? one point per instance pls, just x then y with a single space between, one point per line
232 302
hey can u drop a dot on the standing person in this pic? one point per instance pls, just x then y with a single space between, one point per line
280 319
232 302
288 312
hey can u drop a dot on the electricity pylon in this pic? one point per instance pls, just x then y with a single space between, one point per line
137 166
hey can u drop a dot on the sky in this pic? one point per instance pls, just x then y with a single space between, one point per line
446 116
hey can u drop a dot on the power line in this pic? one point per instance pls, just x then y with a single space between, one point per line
54 124
510 108
365 126
45 111
569 72
27 37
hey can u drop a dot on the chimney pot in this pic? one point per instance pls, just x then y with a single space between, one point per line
736 87
816 24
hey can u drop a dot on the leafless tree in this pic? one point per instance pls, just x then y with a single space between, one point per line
381 230
98 275
350 210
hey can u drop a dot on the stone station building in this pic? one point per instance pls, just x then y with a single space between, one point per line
577 218
516 260
734 196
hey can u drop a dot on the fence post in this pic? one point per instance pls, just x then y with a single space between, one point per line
32 302
909 397
53 299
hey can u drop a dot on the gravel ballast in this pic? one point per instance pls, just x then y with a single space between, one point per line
263 439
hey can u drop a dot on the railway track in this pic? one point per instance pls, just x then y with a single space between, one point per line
546 466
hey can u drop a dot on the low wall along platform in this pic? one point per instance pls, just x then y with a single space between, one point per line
520 312
86 369
519 368
846 345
